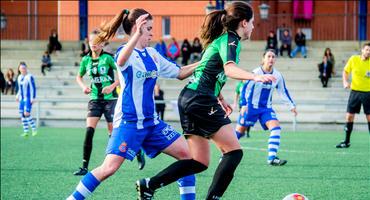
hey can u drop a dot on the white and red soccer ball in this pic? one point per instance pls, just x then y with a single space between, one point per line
295 196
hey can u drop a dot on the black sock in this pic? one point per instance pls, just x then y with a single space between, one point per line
87 146
224 174
368 124
175 171
348 129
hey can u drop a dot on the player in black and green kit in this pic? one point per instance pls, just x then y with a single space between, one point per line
203 110
100 67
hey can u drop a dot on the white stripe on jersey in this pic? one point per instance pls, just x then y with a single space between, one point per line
26 87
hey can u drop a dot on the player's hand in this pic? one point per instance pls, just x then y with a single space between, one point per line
16 99
33 101
294 111
86 90
226 107
107 90
346 85
243 110
264 78
26 114
140 22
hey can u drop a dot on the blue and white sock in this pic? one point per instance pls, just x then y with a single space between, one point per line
273 143
85 188
25 124
239 134
31 122
187 187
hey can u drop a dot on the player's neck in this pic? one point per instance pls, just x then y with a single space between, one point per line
267 68
96 54
364 58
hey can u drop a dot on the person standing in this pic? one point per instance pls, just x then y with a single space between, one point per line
26 96
359 67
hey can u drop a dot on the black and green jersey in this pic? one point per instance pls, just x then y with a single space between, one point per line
209 76
101 72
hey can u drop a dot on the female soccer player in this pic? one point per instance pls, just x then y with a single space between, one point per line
26 96
256 105
100 67
136 124
203 111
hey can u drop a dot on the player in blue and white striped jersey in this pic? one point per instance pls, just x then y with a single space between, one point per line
26 97
256 105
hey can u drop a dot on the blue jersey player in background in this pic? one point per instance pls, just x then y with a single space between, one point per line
26 96
136 124
256 105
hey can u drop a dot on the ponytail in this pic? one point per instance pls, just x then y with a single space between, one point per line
212 27
108 30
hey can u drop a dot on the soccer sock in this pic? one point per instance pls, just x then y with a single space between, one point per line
175 171
348 129
85 187
273 143
187 187
31 122
25 124
368 124
87 146
224 174
239 134
248 129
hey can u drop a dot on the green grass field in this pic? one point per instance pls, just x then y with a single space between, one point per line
41 167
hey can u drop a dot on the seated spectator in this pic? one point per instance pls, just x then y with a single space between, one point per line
10 82
159 106
196 50
286 43
45 62
300 42
85 47
54 44
272 42
173 50
329 55
185 52
161 47
325 69
2 82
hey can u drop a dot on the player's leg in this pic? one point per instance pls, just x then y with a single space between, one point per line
274 143
23 119
91 181
27 114
366 106
232 154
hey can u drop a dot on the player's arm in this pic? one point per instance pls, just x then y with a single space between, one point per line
18 95
346 73
32 89
284 95
187 70
225 106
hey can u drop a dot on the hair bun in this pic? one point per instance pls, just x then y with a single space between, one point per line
126 11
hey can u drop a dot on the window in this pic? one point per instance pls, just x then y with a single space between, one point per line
166 26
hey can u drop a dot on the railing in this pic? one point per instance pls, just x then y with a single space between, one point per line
321 27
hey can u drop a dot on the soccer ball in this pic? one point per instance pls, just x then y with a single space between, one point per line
295 196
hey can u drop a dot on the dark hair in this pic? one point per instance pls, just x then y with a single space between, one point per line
216 22
269 50
366 44
125 18
327 48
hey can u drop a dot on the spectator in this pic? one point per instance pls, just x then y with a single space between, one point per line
325 69
46 62
185 52
330 58
286 43
85 48
10 82
2 82
173 50
300 41
160 106
272 42
196 50
54 44
161 47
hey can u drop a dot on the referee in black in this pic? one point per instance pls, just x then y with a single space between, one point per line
359 67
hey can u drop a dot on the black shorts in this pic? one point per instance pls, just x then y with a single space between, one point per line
96 108
356 99
200 114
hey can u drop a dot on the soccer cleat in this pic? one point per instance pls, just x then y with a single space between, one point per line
140 159
25 134
34 133
277 162
81 172
143 190
343 145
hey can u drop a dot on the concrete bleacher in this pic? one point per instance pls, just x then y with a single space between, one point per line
62 103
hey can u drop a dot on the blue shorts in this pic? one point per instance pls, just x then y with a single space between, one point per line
24 106
126 141
252 115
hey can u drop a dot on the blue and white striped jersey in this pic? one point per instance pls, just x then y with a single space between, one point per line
259 95
138 76
26 87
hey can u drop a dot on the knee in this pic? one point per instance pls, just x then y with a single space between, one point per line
183 154
198 166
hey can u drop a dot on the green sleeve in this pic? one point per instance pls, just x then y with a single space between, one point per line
229 49
82 70
112 63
